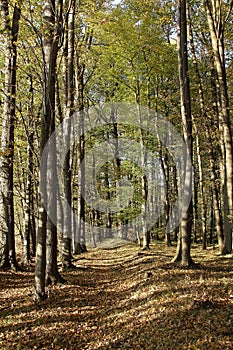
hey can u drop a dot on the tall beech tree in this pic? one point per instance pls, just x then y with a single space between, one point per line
46 252
217 22
7 228
69 84
184 242
206 119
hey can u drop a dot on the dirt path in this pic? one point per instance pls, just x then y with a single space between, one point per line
119 299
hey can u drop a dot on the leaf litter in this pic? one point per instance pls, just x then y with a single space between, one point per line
123 299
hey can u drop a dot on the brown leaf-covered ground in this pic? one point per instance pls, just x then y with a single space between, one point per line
122 299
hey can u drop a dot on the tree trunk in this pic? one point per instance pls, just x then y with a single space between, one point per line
183 248
28 200
45 226
201 187
195 204
7 234
165 167
216 29
69 102
81 201
205 120
145 232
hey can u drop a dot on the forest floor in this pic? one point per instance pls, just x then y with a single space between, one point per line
123 299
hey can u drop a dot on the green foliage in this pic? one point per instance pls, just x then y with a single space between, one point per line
126 53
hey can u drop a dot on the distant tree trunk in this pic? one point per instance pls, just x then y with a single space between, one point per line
216 202
195 204
33 215
175 186
28 201
216 28
81 201
145 232
29 216
69 97
213 172
184 244
201 187
203 120
214 161
82 184
108 195
165 167
117 163
212 224
7 234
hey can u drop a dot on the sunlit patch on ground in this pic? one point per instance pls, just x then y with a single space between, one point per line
112 302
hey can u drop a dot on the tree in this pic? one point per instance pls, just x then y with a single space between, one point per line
69 87
208 122
7 229
184 243
217 22
47 269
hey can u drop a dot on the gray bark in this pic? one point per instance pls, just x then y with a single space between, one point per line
47 270
184 245
69 102
7 233
216 29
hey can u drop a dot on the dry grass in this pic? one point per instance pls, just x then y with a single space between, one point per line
119 299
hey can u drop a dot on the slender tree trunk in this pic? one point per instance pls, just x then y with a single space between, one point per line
216 29
201 187
198 146
117 164
143 159
175 185
69 93
33 216
212 224
183 248
205 120
81 202
7 234
29 216
195 205
165 167
28 200
108 195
